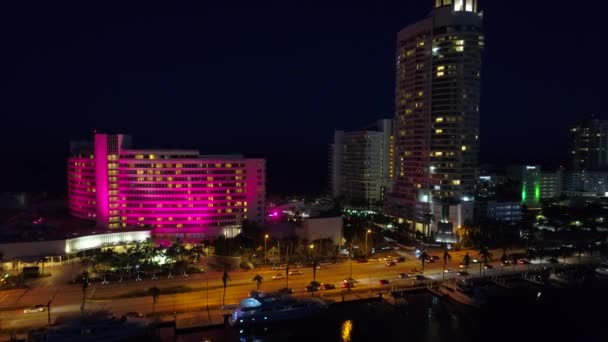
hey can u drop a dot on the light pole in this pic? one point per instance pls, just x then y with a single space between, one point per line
366 250
265 239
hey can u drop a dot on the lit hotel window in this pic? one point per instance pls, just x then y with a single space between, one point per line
438 131
439 120
440 74
464 148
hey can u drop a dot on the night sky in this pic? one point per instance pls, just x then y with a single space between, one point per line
272 79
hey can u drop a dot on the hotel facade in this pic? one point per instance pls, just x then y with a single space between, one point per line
438 66
175 192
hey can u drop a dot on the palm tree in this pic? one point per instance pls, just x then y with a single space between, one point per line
225 279
486 256
513 258
446 256
258 281
85 285
423 257
155 293
503 260
466 260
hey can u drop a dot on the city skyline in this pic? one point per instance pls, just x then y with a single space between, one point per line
163 73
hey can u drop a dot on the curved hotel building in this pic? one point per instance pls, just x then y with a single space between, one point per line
175 192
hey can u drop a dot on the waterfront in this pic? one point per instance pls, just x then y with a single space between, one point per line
557 314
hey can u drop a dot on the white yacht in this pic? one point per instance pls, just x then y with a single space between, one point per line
260 309
602 270
463 292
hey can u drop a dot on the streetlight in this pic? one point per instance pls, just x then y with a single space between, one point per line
265 257
366 233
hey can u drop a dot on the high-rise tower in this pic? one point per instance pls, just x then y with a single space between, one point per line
437 118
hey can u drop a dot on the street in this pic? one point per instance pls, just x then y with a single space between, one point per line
207 289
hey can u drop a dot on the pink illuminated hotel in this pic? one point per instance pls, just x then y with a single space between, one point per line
175 192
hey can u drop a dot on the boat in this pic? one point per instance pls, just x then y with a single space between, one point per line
463 292
274 307
602 270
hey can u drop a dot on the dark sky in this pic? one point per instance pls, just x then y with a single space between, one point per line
273 79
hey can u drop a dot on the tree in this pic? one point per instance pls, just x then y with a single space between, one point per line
85 285
225 279
423 258
513 258
486 256
503 259
155 293
466 260
446 256
258 281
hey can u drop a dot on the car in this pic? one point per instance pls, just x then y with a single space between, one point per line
362 260
295 272
35 308
311 288
403 275
391 263
449 270
435 257
462 266
421 277
383 282
475 261
523 261
463 273
488 266
278 276
325 286
430 260
553 261
347 285
401 259
350 280
134 314
279 267
285 290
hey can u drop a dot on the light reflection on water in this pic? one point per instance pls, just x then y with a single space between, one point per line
347 328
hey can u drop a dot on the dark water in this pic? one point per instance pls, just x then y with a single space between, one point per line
520 314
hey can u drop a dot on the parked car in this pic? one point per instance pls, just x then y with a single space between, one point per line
350 280
347 285
362 260
488 266
311 288
325 286
401 259
35 308
449 270
391 263
279 267
553 261
295 272
523 261
383 282
278 276
403 275
463 273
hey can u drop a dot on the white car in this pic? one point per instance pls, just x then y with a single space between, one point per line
32 309
295 272
278 276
